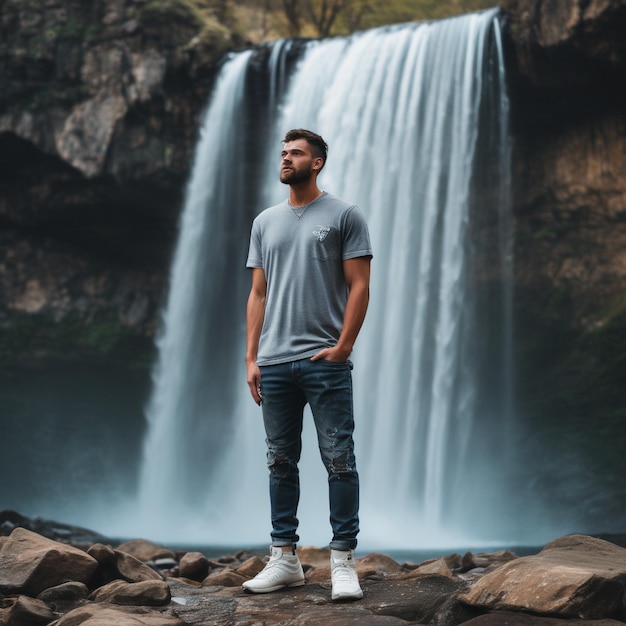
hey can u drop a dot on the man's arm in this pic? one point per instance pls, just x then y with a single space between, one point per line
357 276
255 314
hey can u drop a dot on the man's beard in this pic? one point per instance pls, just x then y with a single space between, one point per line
293 177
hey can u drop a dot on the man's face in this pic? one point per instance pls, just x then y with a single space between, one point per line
297 162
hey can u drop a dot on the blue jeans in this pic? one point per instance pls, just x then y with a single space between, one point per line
327 387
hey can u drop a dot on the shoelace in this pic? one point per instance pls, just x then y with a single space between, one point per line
343 571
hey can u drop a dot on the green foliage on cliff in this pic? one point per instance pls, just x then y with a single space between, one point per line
34 337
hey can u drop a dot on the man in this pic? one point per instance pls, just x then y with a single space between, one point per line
310 258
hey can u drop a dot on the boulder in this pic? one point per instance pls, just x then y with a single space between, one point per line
377 565
65 533
251 567
66 592
225 578
25 611
314 557
574 576
117 564
194 565
145 550
98 615
30 563
492 560
145 593
523 619
434 566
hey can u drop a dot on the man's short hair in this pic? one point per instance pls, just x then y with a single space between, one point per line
318 145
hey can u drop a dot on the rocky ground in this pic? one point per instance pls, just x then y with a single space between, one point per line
54 574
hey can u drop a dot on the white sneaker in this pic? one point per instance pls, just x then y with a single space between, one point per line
282 570
344 577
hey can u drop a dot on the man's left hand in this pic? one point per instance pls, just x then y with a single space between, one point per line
331 354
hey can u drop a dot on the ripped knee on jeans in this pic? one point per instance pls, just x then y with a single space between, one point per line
341 463
280 465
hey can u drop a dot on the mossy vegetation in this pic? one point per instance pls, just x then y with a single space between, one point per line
54 95
28 337
188 23
170 11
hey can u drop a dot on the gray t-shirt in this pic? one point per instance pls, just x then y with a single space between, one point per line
303 263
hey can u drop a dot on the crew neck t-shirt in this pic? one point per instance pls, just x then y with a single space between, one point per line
302 258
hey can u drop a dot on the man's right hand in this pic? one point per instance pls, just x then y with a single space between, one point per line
254 382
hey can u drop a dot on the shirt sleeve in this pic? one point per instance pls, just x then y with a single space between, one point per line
255 254
355 235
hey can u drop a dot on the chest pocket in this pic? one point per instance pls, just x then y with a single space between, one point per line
326 243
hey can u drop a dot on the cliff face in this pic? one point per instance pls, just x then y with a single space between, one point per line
571 42
99 111
568 102
568 63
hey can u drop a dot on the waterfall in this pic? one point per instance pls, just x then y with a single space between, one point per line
416 119
192 376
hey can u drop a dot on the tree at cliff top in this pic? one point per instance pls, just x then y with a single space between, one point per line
264 20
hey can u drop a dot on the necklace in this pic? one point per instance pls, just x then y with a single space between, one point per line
298 211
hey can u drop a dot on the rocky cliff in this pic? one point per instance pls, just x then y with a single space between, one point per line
567 68
568 63
99 111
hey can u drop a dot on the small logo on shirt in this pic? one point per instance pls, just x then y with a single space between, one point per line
321 233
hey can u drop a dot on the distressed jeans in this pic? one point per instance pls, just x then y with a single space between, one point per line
327 387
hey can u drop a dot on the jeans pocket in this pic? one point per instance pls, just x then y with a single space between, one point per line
338 364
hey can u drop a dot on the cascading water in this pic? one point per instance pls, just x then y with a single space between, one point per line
405 110
192 389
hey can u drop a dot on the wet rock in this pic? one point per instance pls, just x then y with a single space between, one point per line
98 615
225 578
145 550
251 567
376 565
350 615
117 564
427 600
435 566
146 593
194 565
77 535
25 611
315 557
71 591
586 575
572 576
30 563
521 619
